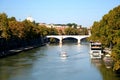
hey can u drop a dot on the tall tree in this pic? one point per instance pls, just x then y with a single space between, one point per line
107 31
4 29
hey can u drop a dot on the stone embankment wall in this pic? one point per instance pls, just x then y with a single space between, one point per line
13 46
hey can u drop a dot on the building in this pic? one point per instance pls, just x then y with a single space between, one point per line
30 19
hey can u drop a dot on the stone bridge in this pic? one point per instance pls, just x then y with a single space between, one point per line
78 37
61 37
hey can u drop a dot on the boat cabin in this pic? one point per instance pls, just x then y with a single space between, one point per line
95 50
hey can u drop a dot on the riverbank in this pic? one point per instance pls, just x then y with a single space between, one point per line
18 50
13 47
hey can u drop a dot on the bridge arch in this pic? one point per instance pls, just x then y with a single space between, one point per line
83 38
65 37
55 36
61 37
70 38
52 39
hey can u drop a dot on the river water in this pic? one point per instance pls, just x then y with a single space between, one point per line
44 63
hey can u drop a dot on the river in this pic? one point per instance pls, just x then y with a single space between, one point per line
44 63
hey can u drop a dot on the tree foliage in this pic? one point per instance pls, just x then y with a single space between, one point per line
73 25
107 31
76 31
14 34
11 28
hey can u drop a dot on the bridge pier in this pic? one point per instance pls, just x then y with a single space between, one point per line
60 40
78 41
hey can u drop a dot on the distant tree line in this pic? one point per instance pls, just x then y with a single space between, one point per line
107 31
73 29
76 31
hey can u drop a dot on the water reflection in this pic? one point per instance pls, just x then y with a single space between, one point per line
108 61
106 73
96 62
44 63
78 45
60 44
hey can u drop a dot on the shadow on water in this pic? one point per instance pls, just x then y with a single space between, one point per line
107 74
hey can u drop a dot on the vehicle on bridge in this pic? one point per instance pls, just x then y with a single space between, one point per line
95 50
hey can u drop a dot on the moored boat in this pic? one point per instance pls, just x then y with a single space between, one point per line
95 50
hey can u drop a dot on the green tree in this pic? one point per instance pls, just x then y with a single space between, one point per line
43 30
4 29
17 29
71 31
12 19
107 31
3 20
73 25
53 31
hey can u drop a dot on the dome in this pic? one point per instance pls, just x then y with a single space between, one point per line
30 19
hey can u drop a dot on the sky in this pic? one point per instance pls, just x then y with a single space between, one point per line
81 12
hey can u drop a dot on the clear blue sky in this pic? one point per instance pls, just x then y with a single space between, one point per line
82 12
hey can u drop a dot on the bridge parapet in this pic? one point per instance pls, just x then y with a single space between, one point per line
61 37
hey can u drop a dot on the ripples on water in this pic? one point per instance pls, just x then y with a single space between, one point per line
44 63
